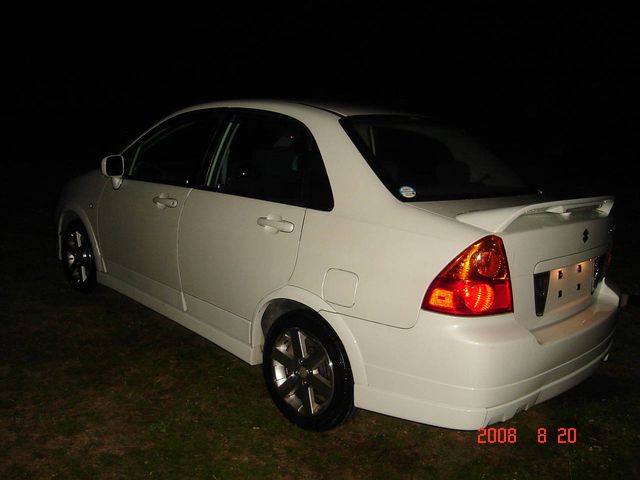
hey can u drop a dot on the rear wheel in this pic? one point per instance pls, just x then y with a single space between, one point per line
77 257
307 371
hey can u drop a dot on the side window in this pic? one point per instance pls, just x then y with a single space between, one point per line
173 152
271 157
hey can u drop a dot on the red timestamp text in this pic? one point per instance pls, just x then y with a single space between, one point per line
503 435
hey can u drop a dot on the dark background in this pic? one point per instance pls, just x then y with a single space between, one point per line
551 89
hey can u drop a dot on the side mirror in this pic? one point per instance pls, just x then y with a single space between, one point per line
113 167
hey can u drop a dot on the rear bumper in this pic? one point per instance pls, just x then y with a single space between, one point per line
466 373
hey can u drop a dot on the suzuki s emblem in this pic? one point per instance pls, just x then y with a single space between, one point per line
585 236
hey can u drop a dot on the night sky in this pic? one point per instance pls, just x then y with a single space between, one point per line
551 90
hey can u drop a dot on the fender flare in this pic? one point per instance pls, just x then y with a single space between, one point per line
68 213
329 315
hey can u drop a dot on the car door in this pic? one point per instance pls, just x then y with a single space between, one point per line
138 222
239 232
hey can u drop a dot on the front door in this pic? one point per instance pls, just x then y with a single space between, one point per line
138 222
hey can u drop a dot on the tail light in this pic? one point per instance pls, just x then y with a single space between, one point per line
476 282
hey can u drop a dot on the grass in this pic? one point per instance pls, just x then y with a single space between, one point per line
98 386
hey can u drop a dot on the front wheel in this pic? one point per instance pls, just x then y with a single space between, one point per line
307 371
77 257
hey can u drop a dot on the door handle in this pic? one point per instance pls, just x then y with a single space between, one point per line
164 202
275 224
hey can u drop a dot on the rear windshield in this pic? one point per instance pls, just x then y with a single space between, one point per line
419 160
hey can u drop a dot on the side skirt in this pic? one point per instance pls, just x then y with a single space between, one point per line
251 355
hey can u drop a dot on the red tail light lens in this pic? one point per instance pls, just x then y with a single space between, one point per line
476 282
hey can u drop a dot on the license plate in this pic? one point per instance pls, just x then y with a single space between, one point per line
570 283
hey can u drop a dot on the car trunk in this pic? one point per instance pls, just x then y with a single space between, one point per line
556 250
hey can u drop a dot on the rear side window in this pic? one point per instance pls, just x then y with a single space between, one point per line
271 157
419 160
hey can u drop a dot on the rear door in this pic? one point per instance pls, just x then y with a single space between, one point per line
138 222
240 231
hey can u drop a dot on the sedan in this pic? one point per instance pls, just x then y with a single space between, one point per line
366 258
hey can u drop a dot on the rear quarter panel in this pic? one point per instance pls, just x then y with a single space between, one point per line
394 265
389 250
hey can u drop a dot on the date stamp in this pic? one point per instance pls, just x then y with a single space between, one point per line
503 435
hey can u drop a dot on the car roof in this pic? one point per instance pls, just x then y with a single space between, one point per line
337 109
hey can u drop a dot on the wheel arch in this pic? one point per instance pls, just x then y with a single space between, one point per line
72 212
291 298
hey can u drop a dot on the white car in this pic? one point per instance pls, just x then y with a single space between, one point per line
366 258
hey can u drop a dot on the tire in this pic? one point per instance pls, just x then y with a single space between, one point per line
307 372
77 257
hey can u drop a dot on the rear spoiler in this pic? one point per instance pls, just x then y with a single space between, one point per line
498 219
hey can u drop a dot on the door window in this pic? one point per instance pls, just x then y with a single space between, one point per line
271 157
173 152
